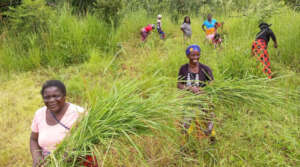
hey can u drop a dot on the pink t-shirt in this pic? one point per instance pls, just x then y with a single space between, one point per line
51 135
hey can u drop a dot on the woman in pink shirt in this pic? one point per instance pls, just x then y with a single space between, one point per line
52 122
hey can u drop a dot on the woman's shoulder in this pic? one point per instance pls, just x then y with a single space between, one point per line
184 66
75 108
183 69
41 111
205 67
39 114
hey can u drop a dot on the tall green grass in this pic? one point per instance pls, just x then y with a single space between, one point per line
131 111
132 98
66 40
126 111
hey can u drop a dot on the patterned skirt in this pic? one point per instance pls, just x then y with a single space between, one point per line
259 50
198 126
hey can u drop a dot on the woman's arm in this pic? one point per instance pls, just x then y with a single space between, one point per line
181 29
180 85
274 39
35 149
203 27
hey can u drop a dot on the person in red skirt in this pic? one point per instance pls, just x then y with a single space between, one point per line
260 46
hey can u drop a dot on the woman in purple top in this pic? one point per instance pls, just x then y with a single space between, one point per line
193 76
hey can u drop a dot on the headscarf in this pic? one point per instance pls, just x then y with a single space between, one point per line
264 25
192 48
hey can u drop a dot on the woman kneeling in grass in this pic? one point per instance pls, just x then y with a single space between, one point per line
52 122
193 76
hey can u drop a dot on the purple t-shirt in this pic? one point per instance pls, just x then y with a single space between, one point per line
195 79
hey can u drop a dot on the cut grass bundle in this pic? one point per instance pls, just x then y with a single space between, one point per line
129 110
125 111
253 92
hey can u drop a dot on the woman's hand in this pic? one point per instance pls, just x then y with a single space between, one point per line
37 162
203 28
196 90
209 129
35 150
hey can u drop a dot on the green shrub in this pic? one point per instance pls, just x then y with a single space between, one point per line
82 6
30 16
5 4
65 40
109 11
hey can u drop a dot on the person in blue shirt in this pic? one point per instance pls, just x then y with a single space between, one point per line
209 27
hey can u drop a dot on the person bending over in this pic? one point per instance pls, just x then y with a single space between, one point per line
260 47
146 31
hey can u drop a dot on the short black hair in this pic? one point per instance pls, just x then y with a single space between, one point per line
54 83
186 18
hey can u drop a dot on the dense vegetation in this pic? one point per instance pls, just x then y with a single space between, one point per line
129 87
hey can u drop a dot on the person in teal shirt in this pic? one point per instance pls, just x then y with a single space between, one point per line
209 27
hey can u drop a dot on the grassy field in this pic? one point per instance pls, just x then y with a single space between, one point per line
112 72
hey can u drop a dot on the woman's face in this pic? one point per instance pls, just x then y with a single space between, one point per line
187 19
54 99
209 17
194 57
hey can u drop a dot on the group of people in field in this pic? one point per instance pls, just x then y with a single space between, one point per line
145 31
210 27
53 122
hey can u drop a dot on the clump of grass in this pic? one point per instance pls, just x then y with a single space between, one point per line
126 111
131 110
65 41
256 119
252 91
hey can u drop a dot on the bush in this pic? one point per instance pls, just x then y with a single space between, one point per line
5 4
30 16
82 6
65 40
109 11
